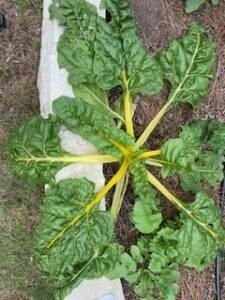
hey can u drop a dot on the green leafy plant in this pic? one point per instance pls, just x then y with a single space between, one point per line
74 240
192 5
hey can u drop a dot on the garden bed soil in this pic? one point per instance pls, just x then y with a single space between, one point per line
159 22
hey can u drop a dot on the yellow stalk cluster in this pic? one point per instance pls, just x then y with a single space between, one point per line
120 179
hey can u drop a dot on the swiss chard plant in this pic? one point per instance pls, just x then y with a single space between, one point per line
74 240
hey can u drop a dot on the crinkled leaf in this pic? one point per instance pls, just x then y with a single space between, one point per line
101 263
130 267
178 154
146 215
125 267
76 57
188 64
73 13
144 219
108 59
166 283
159 271
178 242
136 254
94 126
211 168
141 70
94 51
35 139
217 139
197 248
67 234
163 249
190 157
144 286
75 46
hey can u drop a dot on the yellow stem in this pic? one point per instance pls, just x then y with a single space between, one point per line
179 204
128 106
120 173
123 149
163 162
118 196
128 114
151 126
149 154
92 158
148 130
153 163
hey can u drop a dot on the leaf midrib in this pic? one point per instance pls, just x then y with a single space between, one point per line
173 97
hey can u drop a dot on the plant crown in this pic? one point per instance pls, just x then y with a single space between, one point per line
74 239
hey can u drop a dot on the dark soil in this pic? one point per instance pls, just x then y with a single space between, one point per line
159 22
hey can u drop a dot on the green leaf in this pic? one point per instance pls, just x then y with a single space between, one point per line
130 267
62 10
196 248
75 46
101 263
216 141
144 286
94 126
136 254
211 168
35 139
160 269
92 94
146 215
166 283
157 262
192 5
143 73
215 2
178 154
128 262
196 133
94 51
144 219
125 267
76 57
162 264
188 64
67 234
163 249
190 158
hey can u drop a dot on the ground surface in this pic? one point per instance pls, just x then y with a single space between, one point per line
159 21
